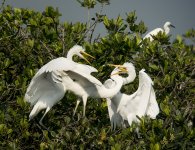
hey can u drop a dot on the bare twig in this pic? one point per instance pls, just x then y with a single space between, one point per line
2 4
48 49
63 46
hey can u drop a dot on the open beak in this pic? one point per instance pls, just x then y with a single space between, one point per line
122 69
86 54
112 65
120 72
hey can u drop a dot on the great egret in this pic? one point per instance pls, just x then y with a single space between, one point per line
166 30
123 107
88 86
46 88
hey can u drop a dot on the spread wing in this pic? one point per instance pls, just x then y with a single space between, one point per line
137 103
47 76
45 82
115 118
51 75
86 68
153 108
85 80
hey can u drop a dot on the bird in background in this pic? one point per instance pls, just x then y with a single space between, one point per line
124 108
46 87
166 30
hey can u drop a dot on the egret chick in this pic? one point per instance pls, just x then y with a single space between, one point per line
123 107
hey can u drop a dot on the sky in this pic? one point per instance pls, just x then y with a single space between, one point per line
154 13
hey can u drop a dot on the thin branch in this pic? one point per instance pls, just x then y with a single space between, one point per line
2 4
48 49
63 44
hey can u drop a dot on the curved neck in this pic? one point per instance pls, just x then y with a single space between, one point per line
166 29
110 92
70 54
130 78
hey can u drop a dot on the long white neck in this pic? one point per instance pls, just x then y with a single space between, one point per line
130 78
166 29
70 54
110 92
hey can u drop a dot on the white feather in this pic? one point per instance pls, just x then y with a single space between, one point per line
126 107
165 29
47 87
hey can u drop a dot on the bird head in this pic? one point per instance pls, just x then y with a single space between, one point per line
80 51
119 69
84 54
129 66
168 24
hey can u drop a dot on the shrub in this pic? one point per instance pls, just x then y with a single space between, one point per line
29 39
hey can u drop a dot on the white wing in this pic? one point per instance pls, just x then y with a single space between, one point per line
59 64
153 108
42 84
137 103
75 71
86 68
115 118
48 75
85 80
153 33
55 64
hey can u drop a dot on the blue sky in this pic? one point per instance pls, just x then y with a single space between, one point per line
153 12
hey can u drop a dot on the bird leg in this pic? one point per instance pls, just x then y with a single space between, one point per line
40 122
84 104
77 104
137 132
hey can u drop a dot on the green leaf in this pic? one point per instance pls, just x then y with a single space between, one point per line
2 127
153 66
30 42
33 22
165 109
7 62
9 131
17 10
106 21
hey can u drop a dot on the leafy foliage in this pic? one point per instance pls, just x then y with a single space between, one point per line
30 39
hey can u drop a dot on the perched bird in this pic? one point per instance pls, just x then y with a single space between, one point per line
89 86
123 107
46 87
166 30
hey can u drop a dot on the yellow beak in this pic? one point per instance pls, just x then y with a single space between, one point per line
121 68
86 54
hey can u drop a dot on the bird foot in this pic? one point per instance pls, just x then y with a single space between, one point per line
43 126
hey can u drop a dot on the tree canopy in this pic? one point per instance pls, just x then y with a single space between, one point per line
29 39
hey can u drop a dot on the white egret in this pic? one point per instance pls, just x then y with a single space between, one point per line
166 30
46 88
123 107
88 86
